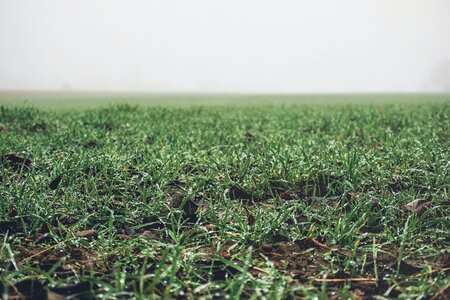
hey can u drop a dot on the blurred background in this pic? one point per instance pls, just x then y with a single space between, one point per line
233 46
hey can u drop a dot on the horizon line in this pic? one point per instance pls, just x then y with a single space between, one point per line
20 92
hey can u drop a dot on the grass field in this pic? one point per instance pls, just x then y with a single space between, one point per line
69 101
264 200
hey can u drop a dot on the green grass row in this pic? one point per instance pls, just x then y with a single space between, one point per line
66 100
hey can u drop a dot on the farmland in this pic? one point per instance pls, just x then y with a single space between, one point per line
261 199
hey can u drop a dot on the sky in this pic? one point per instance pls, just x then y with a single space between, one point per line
256 46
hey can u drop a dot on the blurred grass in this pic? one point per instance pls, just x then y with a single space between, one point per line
86 100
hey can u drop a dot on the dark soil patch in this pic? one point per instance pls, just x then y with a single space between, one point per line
55 183
78 260
214 269
238 193
10 226
30 289
16 162
188 207
293 258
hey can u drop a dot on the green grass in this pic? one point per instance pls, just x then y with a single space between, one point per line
65 101
217 201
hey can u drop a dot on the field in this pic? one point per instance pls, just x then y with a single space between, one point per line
267 200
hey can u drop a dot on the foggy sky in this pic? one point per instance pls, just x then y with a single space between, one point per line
276 46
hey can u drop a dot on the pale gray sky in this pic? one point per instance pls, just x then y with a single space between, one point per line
226 46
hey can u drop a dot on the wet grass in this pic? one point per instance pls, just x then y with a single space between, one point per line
264 201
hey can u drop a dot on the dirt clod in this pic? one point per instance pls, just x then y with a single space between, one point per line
86 233
418 206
